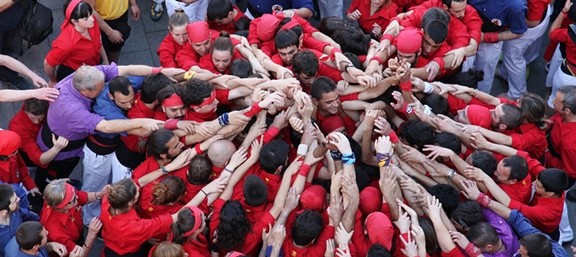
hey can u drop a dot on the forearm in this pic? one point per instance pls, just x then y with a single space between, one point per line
118 126
497 192
303 12
502 149
444 238
496 137
135 70
500 209
9 95
15 65
471 48
49 155
320 36
508 35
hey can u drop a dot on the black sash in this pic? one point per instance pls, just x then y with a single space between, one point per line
46 136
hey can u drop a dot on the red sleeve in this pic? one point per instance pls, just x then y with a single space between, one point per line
29 145
358 238
473 23
523 141
167 53
60 235
268 48
458 34
333 73
252 32
270 134
568 154
455 104
25 174
353 6
254 237
82 197
534 166
559 35
60 49
413 20
313 43
216 215
206 63
186 57
222 95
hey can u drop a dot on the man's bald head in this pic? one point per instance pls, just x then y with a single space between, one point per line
220 152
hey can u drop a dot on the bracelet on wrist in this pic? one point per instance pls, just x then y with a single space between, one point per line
198 149
164 170
348 159
336 155
202 190
96 196
383 159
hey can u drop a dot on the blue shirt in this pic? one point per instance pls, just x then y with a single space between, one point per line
509 13
8 231
523 227
265 6
13 250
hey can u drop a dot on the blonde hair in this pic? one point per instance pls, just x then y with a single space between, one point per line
168 249
55 192
177 19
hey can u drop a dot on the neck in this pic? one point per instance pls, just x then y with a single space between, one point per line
5 219
33 251
163 162
569 118
79 29
151 106
324 113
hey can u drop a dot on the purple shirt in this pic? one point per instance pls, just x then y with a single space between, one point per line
505 233
70 115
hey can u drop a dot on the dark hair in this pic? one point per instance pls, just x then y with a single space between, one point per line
273 155
362 178
435 14
286 38
241 68
417 133
553 180
36 106
378 250
467 214
218 9
329 25
485 161
166 92
533 109
199 170
151 85
322 85
352 40
307 227
448 140
537 245
233 226
518 167
121 193
449 2
223 43
157 141
430 234
255 191
468 78
119 84
6 192
169 190
305 62
447 195
81 11
438 103
193 91
354 59
512 116
437 31
29 234
482 234
185 221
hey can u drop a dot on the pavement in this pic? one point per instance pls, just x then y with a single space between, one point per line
146 35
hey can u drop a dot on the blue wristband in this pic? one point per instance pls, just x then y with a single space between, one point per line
349 159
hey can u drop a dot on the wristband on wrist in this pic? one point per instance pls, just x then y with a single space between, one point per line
451 174
223 119
189 75
96 196
202 190
483 200
348 159
198 149
304 170
383 159
428 88
376 58
336 155
156 70
406 86
472 251
393 137
302 149
164 170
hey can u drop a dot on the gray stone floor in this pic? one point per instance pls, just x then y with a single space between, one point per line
141 48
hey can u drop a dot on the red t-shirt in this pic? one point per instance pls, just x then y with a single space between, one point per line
28 132
230 27
536 9
65 227
198 247
382 17
14 171
316 249
207 64
138 110
471 19
563 141
457 32
530 139
72 49
167 51
520 191
544 213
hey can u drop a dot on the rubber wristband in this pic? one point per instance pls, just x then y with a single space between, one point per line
304 170
406 86
393 137
198 149
383 159
472 251
302 149
171 124
348 159
376 58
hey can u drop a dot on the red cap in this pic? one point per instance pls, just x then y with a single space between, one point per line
313 198
379 228
198 31
267 27
479 115
370 200
10 142
409 40
332 123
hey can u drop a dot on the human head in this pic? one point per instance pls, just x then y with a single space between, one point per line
168 191
435 25
329 25
408 45
370 200
535 245
220 152
190 222
506 117
565 101
456 8
31 235
533 108
377 250
313 198
151 85
511 170
448 196
36 110
273 156
199 170
448 140
199 36
120 91
220 12
171 102
9 144
287 44
475 114
430 235
325 96
468 78
241 68
60 195
199 96
483 235
233 226
307 227
177 25
417 134
78 13
222 52
255 191
483 160
466 215
305 67
8 200
163 144
379 228
89 81
551 182
352 40
168 249
123 194
437 102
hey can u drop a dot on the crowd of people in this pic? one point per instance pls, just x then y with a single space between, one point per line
373 134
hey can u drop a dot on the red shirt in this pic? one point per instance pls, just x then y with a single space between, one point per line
543 213
536 9
198 247
207 64
28 132
72 49
520 191
187 57
362 242
230 27
561 35
191 190
65 227
457 32
316 249
138 110
125 233
563 141
530 139
405 4
349 123
382 17
471 19
14 171
222 96
167 51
